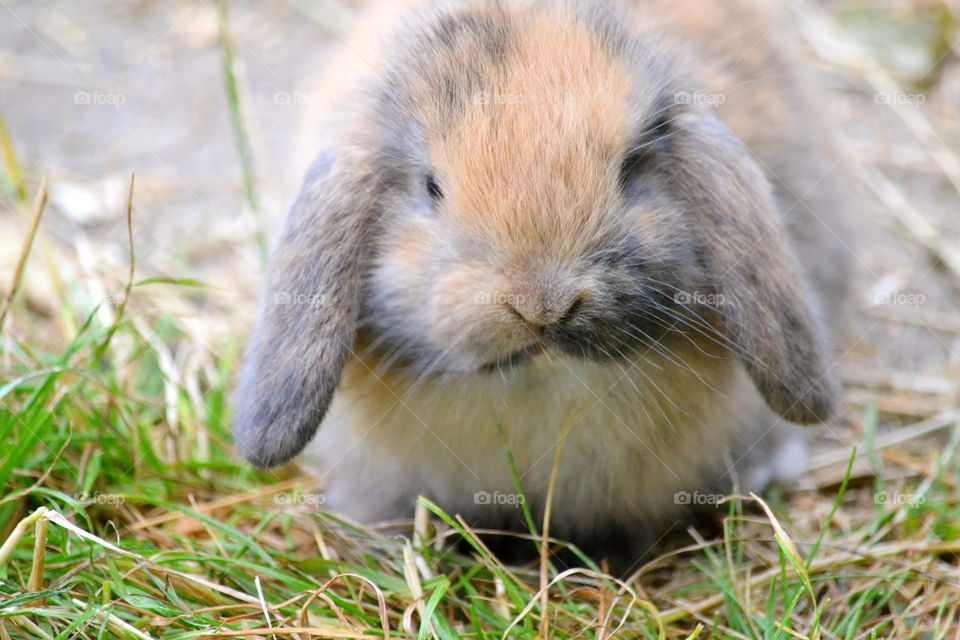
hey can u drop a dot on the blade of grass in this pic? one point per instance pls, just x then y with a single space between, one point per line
101 350
241 135
545 544
38 209
11 164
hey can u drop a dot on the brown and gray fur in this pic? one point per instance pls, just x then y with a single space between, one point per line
517 223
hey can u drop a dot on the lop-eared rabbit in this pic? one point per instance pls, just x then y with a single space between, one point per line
615 219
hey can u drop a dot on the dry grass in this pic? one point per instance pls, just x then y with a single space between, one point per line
125 514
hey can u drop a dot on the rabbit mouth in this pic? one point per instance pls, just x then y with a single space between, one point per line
604 343
518 357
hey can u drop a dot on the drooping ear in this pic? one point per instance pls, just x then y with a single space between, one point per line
308 320
767 309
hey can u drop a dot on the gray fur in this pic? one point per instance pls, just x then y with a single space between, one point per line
309 317
765 303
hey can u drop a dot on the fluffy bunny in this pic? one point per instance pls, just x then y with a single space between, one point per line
619 218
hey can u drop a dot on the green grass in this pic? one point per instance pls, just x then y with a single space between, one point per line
122 467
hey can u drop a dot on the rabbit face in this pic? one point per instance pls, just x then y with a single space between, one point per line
530 219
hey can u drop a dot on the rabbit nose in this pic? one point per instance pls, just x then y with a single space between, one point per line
539 311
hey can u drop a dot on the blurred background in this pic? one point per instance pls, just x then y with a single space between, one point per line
207 103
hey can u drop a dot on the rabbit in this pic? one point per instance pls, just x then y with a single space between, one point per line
616 221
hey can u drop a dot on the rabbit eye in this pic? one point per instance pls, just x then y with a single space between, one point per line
635 172
436 194
641 158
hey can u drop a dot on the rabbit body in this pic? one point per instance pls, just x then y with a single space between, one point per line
619 221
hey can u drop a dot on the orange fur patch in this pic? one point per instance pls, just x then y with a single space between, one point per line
533 162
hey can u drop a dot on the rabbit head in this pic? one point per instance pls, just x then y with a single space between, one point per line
515 181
